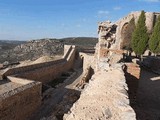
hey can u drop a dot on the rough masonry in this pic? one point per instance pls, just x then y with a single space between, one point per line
105 96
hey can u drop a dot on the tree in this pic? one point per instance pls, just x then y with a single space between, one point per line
140 36
154 42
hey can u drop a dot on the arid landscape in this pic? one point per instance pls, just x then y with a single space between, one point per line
111 76
16 51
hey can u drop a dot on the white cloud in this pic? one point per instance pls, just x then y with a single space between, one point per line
62 24
117 8
84 19
78 25
103 12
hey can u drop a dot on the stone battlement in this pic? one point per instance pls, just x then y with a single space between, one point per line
17 93
21 87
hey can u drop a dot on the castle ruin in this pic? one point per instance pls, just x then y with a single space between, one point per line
105 95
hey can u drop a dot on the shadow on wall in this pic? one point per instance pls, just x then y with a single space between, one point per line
132 83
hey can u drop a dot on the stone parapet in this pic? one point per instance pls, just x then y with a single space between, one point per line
105 97
20 102
45 72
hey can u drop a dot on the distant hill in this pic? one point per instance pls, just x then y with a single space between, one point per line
9 44
80 41
13 51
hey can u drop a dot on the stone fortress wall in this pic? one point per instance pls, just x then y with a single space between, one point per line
117 82
108 76
45 72
20 101
111 37
105 97
21 88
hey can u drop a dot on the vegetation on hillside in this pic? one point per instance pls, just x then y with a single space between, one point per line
140 36
9 44
30 50
154 42
80 41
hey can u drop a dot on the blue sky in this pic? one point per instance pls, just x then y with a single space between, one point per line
33 19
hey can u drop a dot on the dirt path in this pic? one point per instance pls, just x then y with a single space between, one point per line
148 96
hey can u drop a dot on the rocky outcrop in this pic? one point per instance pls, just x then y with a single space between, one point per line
33 50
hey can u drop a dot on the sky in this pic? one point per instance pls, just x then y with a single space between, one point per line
35 19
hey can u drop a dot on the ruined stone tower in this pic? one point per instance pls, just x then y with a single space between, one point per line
150 21
111 37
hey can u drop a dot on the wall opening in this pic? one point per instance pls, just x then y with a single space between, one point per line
124 36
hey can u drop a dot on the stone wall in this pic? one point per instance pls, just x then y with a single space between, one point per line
133 69
21 102
150 21
105 97
132 74
88 61
45 72
19 70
